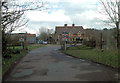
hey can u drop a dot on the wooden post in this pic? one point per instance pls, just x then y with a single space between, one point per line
23 45
65 45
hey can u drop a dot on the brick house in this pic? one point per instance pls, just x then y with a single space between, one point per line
74 32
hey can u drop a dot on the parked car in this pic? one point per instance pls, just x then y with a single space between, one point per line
40 41
44 42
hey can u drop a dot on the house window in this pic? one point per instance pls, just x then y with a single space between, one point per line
69 39
87 38
74 39
70 34
79 34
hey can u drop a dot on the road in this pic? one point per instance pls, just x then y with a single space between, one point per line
46 64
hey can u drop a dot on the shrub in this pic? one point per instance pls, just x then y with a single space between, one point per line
90 43
7 53
15 51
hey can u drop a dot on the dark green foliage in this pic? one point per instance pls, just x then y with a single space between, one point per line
105 29
16 51
7 53
79 47
14 54
90 43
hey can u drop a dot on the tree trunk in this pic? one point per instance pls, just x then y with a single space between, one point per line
118 40
23 45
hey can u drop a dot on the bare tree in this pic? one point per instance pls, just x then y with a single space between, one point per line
13 16
42 29
112 9
43 35
13 11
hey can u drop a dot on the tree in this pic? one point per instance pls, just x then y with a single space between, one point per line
43 35
13 17
112 10
13 13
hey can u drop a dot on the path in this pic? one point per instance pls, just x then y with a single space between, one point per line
46 64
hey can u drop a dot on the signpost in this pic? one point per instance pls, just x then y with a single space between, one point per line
21 39
64 39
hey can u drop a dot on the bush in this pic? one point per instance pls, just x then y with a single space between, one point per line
7 53
89 43
15 51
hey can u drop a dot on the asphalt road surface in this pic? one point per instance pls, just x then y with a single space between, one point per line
46 64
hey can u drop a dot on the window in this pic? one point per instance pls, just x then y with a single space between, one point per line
79 34
70 34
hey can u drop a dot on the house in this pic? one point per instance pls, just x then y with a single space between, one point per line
31 38
75 33
51 39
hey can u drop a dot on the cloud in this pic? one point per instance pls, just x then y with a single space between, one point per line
57 16
72 7
60 12
25 29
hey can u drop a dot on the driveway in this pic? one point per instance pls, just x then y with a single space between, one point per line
46 64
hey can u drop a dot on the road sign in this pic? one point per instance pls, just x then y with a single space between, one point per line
21 37
64 36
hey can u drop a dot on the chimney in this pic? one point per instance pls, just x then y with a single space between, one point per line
73 25
65 25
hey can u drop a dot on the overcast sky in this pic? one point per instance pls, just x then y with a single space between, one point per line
60 12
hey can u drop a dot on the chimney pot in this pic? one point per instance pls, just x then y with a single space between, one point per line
73 25
65 25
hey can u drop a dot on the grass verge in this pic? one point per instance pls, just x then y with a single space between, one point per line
107 57
7 62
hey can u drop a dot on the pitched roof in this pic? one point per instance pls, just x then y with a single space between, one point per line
31 35
74 30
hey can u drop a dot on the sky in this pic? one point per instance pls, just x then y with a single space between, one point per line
80 12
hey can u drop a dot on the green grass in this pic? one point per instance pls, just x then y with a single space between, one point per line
7 62
31 47
107 57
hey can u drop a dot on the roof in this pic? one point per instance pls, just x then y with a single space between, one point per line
31 35
73 30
